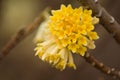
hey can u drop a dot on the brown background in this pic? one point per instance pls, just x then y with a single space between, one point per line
21 64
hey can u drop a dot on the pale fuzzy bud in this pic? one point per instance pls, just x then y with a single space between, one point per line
95 20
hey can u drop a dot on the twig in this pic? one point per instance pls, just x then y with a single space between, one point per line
108 22
21 34
112 26
100 66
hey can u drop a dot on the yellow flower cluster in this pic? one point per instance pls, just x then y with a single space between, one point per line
67 31
74 28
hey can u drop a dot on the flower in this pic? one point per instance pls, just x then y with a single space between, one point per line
67 31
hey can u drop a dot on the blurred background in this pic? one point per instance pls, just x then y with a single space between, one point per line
21 64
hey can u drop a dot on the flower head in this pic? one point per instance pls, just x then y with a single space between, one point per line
67 31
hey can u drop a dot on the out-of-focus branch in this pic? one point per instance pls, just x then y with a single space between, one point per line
100 66
22 33
108 22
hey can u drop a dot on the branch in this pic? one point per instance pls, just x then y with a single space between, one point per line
21 34
112 26
108 22
100 66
